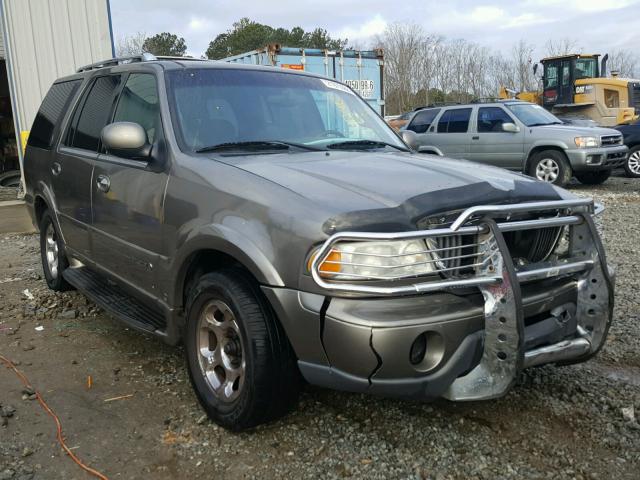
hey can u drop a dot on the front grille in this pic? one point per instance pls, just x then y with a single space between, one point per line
457 254
610 140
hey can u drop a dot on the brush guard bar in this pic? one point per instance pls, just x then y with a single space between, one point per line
498 280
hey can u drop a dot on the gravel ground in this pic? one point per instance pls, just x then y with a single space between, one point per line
576 422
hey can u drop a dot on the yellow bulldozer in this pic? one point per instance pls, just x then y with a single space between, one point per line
577 85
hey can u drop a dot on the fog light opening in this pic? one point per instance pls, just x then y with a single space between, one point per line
427 351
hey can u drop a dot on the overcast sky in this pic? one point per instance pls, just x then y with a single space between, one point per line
598 25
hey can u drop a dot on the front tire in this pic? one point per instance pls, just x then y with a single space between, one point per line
593 178
632 167
550 166
54 260
240 362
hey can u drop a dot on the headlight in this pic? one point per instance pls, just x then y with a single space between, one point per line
391 260
587 142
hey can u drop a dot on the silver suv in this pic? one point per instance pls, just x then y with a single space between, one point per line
520 136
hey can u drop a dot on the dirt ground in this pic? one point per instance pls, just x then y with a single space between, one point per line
577 422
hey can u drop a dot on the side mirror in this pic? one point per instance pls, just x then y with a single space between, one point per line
410 138
126 140
510 127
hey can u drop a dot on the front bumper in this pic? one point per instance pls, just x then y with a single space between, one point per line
480 338
602 158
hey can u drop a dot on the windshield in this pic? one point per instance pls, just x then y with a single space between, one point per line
585 68
212 107
533 115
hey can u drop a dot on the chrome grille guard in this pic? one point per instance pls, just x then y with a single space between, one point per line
504 355
488 248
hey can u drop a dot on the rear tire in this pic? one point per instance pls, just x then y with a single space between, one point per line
54 260
240 362
593 178
550 166
632 166
10 179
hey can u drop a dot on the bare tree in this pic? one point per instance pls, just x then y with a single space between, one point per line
561 46
626 62
521 56
131 44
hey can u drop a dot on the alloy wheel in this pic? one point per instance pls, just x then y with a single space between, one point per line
51 250
547 170
221 358
634 162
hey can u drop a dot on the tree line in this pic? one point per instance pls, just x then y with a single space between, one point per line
421 68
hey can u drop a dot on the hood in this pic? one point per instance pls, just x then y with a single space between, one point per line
387 191
574 130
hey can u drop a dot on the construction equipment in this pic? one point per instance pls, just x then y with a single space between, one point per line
577 85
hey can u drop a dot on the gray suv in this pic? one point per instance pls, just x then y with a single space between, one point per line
520 136
275 225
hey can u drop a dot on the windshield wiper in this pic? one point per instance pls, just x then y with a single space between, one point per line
256 145
364 144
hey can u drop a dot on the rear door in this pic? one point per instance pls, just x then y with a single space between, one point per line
490 144
453 136
72 169
128 212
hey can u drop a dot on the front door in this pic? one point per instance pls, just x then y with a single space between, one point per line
128 196
72 169
491 144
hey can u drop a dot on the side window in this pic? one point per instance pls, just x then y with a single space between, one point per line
566 74
51 111
139 103
423 120
490 119
454 121
551 76
94 115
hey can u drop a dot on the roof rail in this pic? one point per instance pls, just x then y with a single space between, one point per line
145 57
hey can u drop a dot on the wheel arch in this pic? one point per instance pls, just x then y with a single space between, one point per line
541 148
208 252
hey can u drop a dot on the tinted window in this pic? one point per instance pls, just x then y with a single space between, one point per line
490 119
139 103
551 76
454 121
94 114
51 111
422 120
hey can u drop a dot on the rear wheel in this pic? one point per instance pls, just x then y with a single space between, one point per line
550 166
240 362
10 179
54 260
593 178
632 167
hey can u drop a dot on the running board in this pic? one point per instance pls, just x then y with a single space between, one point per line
110 297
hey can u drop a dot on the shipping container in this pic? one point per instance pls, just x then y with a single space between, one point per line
361 70
40 41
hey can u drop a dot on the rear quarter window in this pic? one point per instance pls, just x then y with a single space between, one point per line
51 112
423 120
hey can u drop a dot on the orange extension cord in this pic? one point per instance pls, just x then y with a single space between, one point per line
27 384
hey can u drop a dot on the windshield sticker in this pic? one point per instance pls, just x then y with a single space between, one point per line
336 86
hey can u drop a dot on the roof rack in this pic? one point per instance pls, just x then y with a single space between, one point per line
145 57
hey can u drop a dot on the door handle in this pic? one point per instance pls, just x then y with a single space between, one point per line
103 182
56 168
475 137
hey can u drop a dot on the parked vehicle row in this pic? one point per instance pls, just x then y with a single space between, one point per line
519 136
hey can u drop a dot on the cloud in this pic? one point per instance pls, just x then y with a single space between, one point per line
366 30
499 17
586 6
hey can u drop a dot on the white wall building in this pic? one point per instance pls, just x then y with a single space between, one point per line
40 41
